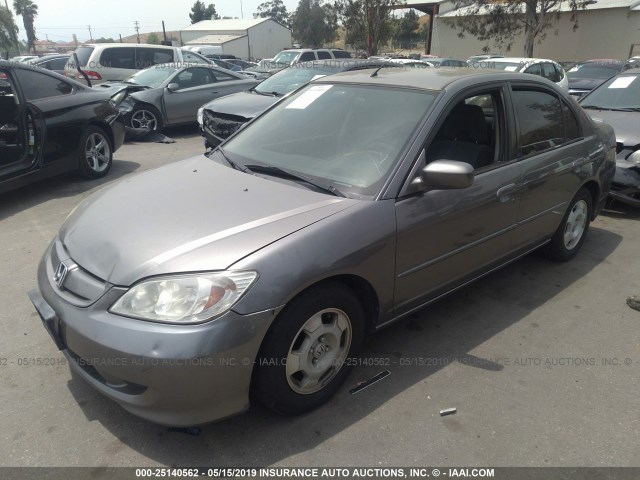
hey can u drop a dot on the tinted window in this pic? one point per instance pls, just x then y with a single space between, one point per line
83 54
540 120
534 69
571 123
147 57
36 85
193 77
307 56
119 57
549 71
341 54
222 77
324 55
57 64
559 72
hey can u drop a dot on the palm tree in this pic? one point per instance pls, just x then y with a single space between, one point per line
28 11
8 30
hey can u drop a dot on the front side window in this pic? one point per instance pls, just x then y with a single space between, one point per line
193 77
36 85
540 121
340 134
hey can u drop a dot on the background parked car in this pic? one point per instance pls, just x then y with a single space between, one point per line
55 63
222 117
103 62
585 76
617 102
445 62
51 124
168 94
542 67
474 60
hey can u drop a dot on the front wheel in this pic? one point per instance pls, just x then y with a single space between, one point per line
569 237
305 356
145 117
95 153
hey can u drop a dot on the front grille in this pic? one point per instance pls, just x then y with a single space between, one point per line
75 284
222 125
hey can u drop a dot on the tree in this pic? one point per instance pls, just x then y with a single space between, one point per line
309 24
199 12
28 11
8 30
405 28
368 22
153 38
274 9
104 40
503 22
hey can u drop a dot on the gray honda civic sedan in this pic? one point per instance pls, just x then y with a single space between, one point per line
257 270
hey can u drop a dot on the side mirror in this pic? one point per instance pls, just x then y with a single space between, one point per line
172 87
444 175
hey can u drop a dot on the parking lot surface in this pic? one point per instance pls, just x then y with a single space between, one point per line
541 361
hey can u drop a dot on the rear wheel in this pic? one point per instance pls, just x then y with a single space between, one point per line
304 357
569 237
95 153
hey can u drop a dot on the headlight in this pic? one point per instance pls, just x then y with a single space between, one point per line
184 298
118 97
634 157
200 115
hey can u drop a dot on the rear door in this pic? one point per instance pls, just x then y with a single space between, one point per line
553 152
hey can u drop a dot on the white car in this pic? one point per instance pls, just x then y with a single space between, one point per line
536 66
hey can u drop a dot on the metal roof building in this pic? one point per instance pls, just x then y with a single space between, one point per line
254 38
607 29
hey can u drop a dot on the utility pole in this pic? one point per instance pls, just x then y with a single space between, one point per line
90 34
164 33
137 24
241 11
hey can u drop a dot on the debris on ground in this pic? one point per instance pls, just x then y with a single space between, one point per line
448 411
634 302
362 385
146 135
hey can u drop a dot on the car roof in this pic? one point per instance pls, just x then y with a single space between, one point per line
124 45
521 59
427 79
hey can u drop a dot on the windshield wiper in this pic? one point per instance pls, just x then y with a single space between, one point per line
266 94
627 109
594 107
237 166
277 171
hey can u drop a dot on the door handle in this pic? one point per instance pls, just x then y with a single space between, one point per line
505 193
579 162
214 92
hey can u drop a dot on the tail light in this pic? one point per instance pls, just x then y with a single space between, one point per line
90 74
3 76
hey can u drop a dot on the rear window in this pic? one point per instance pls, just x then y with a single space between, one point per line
83 54
119 57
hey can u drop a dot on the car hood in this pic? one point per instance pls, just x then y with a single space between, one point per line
625 124
585 83
243 104
114 87
193 215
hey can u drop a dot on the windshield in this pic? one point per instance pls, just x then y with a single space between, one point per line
285 57
152 77
621 92
593 71
293 77
348 136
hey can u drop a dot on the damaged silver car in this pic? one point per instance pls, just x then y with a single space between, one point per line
171 94
255 271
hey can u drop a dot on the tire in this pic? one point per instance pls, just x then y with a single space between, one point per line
569 237
145 116
327 324
95 153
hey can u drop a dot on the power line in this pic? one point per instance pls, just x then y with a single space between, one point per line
137 24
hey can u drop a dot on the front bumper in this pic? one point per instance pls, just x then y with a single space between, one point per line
625 187
217 127
178 375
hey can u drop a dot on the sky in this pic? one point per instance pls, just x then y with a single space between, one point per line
58 20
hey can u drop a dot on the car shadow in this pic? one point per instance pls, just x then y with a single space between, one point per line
621 210
178 132
449 329
64 185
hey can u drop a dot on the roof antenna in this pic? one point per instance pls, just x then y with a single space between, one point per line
375 74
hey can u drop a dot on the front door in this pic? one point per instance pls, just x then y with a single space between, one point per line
14 140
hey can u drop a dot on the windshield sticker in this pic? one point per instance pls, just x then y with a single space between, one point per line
510 68
622 82
308 97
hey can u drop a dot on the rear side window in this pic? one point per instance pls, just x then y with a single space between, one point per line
559 71
540 120
572 131
307 57
549 72
119 57
324 56
36 85
534 69
148 57
341 54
